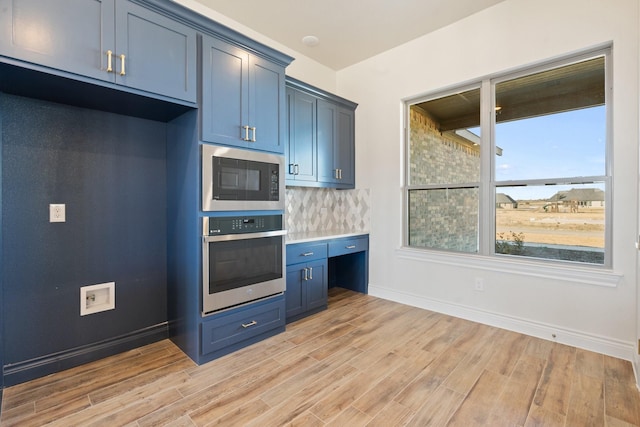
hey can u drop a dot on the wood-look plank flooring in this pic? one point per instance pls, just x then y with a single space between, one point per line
363 362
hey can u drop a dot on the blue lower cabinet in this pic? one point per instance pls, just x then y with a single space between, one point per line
307 281
236 328
307 285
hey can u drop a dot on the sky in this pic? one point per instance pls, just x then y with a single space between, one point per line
569 144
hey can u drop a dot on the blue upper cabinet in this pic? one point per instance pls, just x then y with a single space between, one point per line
113 41
321 138
243 101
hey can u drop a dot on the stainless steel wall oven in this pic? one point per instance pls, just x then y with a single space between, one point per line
242 260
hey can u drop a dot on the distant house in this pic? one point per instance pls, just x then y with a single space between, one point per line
504 201
580 197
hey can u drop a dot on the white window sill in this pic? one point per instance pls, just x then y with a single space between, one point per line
584 275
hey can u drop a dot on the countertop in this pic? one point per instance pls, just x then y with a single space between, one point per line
310 236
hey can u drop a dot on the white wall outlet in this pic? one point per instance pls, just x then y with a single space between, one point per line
479 284
57 213
97 298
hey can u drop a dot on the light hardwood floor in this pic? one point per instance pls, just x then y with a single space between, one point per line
364 361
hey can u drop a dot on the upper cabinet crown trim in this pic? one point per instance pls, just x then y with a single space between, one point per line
318 93
208 26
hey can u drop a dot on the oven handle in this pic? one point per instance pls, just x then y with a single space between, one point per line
246 236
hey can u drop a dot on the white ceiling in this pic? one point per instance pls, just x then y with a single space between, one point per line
349 30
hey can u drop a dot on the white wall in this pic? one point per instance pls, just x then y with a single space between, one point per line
302 68
598 316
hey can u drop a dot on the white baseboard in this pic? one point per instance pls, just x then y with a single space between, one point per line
611 347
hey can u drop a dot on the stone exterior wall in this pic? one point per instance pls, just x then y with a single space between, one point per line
448 218
437 158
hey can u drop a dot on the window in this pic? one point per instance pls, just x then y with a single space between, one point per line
514 166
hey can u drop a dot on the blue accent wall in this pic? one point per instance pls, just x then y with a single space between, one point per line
110 171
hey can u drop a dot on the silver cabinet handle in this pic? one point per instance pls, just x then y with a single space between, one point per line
340 173
294 169
336 174
307 254
310 273
122 58
250 324
253 138
246 133
305 276
350 247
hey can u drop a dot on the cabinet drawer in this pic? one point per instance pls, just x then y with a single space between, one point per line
303 252
241 324
348 246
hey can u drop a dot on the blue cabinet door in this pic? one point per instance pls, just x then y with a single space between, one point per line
302 142
225 95
345 147
327 136
159 53
316 285
267 105
296 303
336 151
72 36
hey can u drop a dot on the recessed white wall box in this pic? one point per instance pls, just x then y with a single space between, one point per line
57 212
96 298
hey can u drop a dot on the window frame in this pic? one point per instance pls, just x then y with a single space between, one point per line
488 184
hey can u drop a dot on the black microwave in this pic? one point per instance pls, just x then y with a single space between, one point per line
238 180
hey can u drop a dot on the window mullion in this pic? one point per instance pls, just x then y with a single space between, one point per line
486 206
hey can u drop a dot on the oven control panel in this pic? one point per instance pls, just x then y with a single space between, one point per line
215 226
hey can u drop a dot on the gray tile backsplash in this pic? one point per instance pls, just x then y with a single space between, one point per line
322 209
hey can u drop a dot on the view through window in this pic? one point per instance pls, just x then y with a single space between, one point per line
545 147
